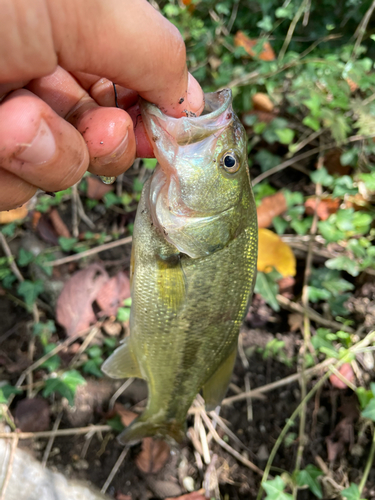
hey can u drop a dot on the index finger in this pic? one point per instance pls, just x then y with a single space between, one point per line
126 41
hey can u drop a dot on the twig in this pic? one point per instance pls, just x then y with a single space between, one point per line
214 416
92 251
119 391
58 433
313 315
233 15
115 468
75 195
307 154
361 30
51 440
82 213
226 446
9 466
292 27
84 346
200 430
343 379
11 262
306 330
369 463
279 383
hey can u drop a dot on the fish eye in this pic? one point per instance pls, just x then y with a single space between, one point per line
230 162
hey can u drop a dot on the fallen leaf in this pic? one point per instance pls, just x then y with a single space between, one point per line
270 207
286 285
262 102
342 436
194 495
332 162
58 224
266 54
325 208
96 189
274 253
126 416
346 371
352 85
11 215
74 306
111 327
295 321
262 116
35 219
32 415
120 496
46 231
112 294
153 456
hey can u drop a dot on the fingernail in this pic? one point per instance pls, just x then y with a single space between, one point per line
195 95
116 153
42 148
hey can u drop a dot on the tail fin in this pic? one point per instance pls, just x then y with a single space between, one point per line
148 425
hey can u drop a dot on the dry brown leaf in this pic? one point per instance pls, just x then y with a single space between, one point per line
325 207
154 455
126 416
120 496
266 54
194 495
274 253
270 207
74 306
295 321
111 296
11 215
332 162
32 415
58 224
286 285
346 371
46 231
342 436
352 85
261 102
96 189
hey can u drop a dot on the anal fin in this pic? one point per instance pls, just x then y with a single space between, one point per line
215 388
122 363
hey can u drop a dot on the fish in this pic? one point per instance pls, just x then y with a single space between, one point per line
193 266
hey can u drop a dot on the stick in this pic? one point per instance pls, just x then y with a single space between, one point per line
57 433
92 251
115 468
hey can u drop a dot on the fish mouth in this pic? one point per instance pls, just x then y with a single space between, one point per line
217 115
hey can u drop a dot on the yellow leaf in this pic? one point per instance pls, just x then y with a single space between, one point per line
12 215
274 253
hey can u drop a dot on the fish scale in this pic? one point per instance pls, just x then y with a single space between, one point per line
194 263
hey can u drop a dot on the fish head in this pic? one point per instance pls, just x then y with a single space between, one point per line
199 187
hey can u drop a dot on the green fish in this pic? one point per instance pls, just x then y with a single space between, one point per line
193 265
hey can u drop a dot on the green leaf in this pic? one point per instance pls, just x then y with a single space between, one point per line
6 391
67 244
351 493
317 294
66 385
321 176
9 229
266 160
343 263
311 122
24 257
279 224
265 24
30 290
116 423
369 411
123 314
110 199
92 366
275 489
301 226
267 287
364 396
285 135
137 185
149 163
52 363
308 477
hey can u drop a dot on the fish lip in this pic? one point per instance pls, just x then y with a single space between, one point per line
216 116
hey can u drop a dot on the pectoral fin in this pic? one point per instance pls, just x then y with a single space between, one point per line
171 283
122 363
215 388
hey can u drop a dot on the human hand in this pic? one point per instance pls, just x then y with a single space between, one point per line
59 118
